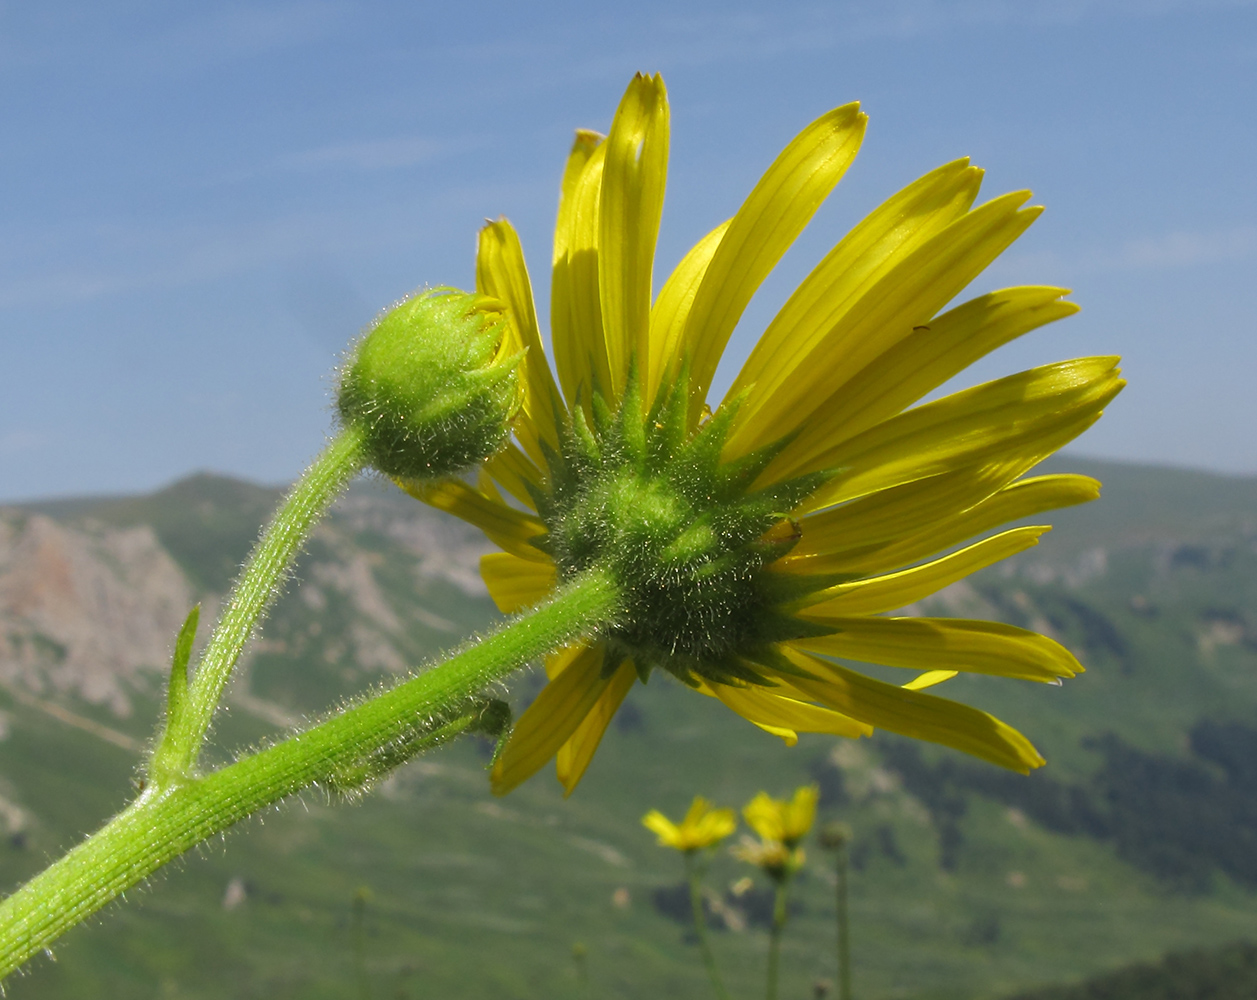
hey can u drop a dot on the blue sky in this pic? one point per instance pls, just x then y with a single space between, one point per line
200 204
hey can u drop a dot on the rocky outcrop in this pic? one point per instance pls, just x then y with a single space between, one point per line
85 608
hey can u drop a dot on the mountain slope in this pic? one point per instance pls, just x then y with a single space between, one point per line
969 882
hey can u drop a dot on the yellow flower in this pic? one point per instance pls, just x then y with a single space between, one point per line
787 822
773 857
702 826
754 546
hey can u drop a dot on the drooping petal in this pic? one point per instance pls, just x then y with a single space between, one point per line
515 583
502 272
508 528
574 756
963 644
923 360
916 715
628 217
1026 498
769 220
897 512
897 590
767 709
550 720
908 295
672 310
969 426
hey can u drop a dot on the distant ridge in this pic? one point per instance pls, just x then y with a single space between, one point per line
1227 973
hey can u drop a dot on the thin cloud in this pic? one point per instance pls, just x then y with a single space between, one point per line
368 155
1165 252
740 34
65 33
376 154
1182 250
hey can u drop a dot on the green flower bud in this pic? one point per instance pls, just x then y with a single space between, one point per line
432 385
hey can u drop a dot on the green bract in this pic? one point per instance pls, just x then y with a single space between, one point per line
649 500
430 385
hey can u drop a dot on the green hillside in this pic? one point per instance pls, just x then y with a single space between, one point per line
1134 841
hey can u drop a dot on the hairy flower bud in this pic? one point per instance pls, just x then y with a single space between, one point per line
432 384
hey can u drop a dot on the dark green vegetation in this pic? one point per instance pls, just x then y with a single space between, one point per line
968 882
1228 973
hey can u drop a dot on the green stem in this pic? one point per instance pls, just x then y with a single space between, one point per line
347 750
774 938
177 751
700 925
844 926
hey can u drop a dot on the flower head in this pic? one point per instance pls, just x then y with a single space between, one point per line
432 384
772 857
702 827
788 821
758 546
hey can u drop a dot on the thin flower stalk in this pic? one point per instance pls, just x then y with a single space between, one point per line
694 876
702 828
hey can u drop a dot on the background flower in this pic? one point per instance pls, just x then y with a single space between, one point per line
702 826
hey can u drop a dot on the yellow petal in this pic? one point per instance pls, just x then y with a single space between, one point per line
672 310
897 512
771 711
628 216
502 272
898 590
575 755
557 662
965 427
908 295
923 360
943 644
550 720
1025 498
800 813
575 266
708 826
515 583
916 715
659 824
772 216
764 815
787 736
506 527
929 679
887 235
513 471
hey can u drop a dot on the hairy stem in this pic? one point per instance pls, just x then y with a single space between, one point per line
163 822
177 751
700 924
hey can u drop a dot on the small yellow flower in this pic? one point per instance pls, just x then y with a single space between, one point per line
702 826
758 548
772 857
787 822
